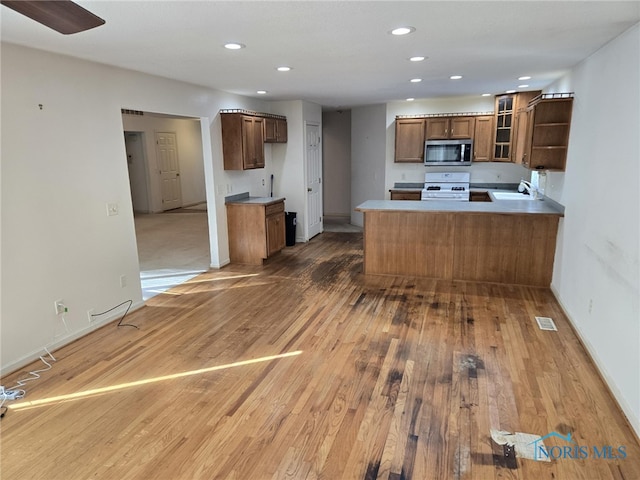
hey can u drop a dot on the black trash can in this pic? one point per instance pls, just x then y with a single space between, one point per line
290 229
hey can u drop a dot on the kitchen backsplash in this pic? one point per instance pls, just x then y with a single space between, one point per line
481 173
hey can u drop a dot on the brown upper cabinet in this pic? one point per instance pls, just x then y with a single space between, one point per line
546 123
444 128
410 138
483 139
244 134
412 132
242 141
506 109
275 130
526 128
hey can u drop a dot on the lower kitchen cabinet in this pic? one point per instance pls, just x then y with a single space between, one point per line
256 230
461 245
406 194
476 196
275 228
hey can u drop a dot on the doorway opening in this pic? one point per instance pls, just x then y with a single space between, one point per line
165 162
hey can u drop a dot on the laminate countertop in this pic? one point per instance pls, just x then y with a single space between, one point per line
246 199
534 207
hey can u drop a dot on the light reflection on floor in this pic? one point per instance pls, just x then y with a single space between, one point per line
155 282
146 381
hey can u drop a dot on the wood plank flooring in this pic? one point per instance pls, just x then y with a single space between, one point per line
306 369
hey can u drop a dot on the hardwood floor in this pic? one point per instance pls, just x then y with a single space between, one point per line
306 369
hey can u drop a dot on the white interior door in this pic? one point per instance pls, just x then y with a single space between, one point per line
314 179
167 152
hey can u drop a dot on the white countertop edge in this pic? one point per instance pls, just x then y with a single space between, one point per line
536 207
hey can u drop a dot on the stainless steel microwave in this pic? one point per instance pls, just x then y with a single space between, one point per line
448 152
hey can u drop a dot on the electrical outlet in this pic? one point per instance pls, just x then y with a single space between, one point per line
90 315
112 209
59 307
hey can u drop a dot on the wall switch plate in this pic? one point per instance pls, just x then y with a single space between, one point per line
112 209
123 281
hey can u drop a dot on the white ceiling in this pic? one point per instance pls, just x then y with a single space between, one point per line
341 52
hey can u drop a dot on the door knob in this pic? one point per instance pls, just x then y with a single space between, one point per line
309 189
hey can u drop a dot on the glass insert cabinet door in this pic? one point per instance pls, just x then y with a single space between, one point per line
504 120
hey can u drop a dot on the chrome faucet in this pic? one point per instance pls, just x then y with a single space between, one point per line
531 189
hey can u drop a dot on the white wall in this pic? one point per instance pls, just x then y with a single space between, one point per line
288 161
597 268
190 158
288 165
61 165
336 157
368 140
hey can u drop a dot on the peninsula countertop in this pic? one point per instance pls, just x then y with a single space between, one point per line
535 207
503 241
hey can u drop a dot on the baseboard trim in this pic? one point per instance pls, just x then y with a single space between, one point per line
57 344
221 264
627 411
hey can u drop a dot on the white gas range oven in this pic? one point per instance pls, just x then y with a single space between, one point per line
446 186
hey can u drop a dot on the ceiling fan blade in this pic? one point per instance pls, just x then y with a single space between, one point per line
63 16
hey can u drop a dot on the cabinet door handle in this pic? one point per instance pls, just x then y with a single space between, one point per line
309 189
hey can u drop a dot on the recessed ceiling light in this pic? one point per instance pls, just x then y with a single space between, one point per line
510 91
486 94
524 78
234 46
417 59
455 77
261 92
410 99
415 80
283 69
523 86
402 30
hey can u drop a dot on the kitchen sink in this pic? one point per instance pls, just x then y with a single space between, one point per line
511 196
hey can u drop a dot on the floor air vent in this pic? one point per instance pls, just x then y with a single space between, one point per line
546 323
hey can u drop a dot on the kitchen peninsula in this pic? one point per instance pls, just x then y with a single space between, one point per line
503 241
